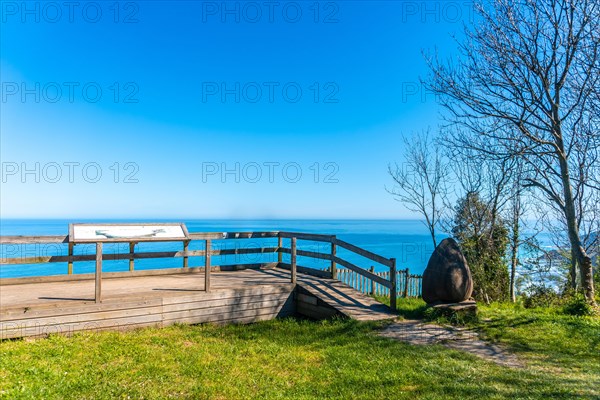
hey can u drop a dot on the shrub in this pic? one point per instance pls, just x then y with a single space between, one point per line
577 305
448 316
541 296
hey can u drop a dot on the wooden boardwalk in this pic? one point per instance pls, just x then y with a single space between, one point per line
227 293
37 309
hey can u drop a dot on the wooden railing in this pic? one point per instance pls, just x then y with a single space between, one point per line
408 285
388 282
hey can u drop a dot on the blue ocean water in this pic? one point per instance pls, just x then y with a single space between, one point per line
406 240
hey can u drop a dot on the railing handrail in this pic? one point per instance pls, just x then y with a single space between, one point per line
208 237
22 239
34 239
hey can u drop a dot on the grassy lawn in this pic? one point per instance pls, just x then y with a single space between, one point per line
303 359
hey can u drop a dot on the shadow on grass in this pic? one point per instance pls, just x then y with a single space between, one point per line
409 308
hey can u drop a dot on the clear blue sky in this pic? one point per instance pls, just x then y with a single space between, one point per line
163 116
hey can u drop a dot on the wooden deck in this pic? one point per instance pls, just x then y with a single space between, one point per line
232 293
37 309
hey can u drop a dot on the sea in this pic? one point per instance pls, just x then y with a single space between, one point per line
406 240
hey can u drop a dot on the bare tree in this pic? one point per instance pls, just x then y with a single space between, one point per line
517 212
421 180
527 82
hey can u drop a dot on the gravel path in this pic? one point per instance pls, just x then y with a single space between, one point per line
420 333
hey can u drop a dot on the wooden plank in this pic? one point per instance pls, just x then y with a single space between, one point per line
44 259
229 310
363 272
186 244
226 316
128 256
279 249
227 294
98 285
70 265
230 301
406 278
131 255
207 268
60 309
248 318
306 253
42 330
365 253
33 239
332 257
253 250
293 260
92 257
86 316
393 287
307 236
240 267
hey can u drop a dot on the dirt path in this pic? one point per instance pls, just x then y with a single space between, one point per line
420 333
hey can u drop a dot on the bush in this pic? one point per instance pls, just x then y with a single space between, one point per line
577 305
541 296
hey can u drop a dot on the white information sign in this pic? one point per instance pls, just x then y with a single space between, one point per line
127 232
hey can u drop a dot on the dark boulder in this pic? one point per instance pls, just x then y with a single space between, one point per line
447 278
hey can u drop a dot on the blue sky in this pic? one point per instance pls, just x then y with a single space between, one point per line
137 110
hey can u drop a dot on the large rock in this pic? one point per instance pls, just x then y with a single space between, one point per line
447 278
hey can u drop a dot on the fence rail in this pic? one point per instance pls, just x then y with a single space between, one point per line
408 285
391 283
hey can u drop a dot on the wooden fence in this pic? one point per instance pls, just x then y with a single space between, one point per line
389 282
408 285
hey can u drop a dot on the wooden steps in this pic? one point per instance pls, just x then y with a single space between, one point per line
343 299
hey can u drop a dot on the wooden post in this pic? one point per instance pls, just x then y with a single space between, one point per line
406 273
393 289
293 260
131 250
333 255
70 265
207 266
186 244
279 248
98 295
372 270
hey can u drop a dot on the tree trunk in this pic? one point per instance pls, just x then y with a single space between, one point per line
581 257
573 271
513 271
516 214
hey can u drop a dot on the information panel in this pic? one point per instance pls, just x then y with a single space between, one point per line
127 232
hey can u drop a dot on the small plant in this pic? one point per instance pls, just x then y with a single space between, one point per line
448 316
577 305
541 296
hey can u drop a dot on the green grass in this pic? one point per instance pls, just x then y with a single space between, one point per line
303 359
549 339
